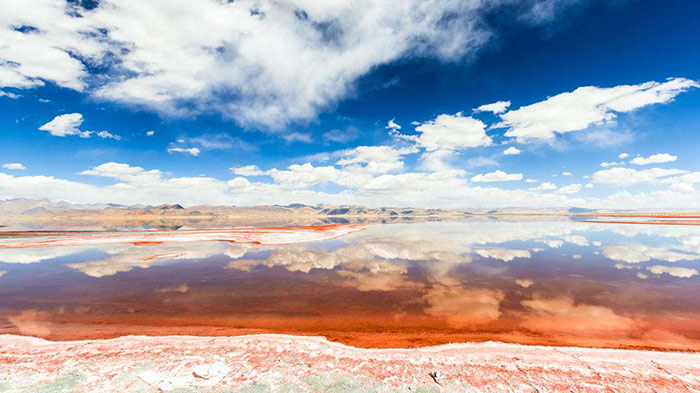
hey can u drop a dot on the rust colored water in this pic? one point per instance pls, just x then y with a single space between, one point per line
534 281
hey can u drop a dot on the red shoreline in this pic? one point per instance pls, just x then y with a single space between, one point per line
312 364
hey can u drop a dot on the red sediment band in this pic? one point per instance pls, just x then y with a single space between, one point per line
35 239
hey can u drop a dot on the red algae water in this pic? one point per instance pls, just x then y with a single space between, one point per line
548 281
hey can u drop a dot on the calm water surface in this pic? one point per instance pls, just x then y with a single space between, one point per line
535 281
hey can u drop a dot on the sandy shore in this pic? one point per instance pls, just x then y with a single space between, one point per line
283 363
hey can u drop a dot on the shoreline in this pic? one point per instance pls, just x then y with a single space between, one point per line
277 362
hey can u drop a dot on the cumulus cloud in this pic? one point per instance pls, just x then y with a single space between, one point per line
300 176
296 183
512 151
683 183
248 170
544 187
586 106
14 166
628 176
496 107
653 159
374 159
496 176
451 132
179 57
49 48
570 189
622 156
64 125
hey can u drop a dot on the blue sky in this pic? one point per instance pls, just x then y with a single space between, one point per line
306 91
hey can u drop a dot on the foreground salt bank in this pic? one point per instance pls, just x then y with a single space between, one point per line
282 363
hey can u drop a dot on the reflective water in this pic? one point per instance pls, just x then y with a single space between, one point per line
527 280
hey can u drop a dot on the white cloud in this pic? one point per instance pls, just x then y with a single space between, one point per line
610 164
69 124
108 135
622 156
683 183
9 95
628 176
14 166
530 181
136 185
50 49
680 272
177 57
589 185
193 151
512 151
586 106
64 125
150 133
248 170
300 176
125 172
451 132
566 173
496 176
653 159
570 189
544 187
374 159
392 125
496 107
